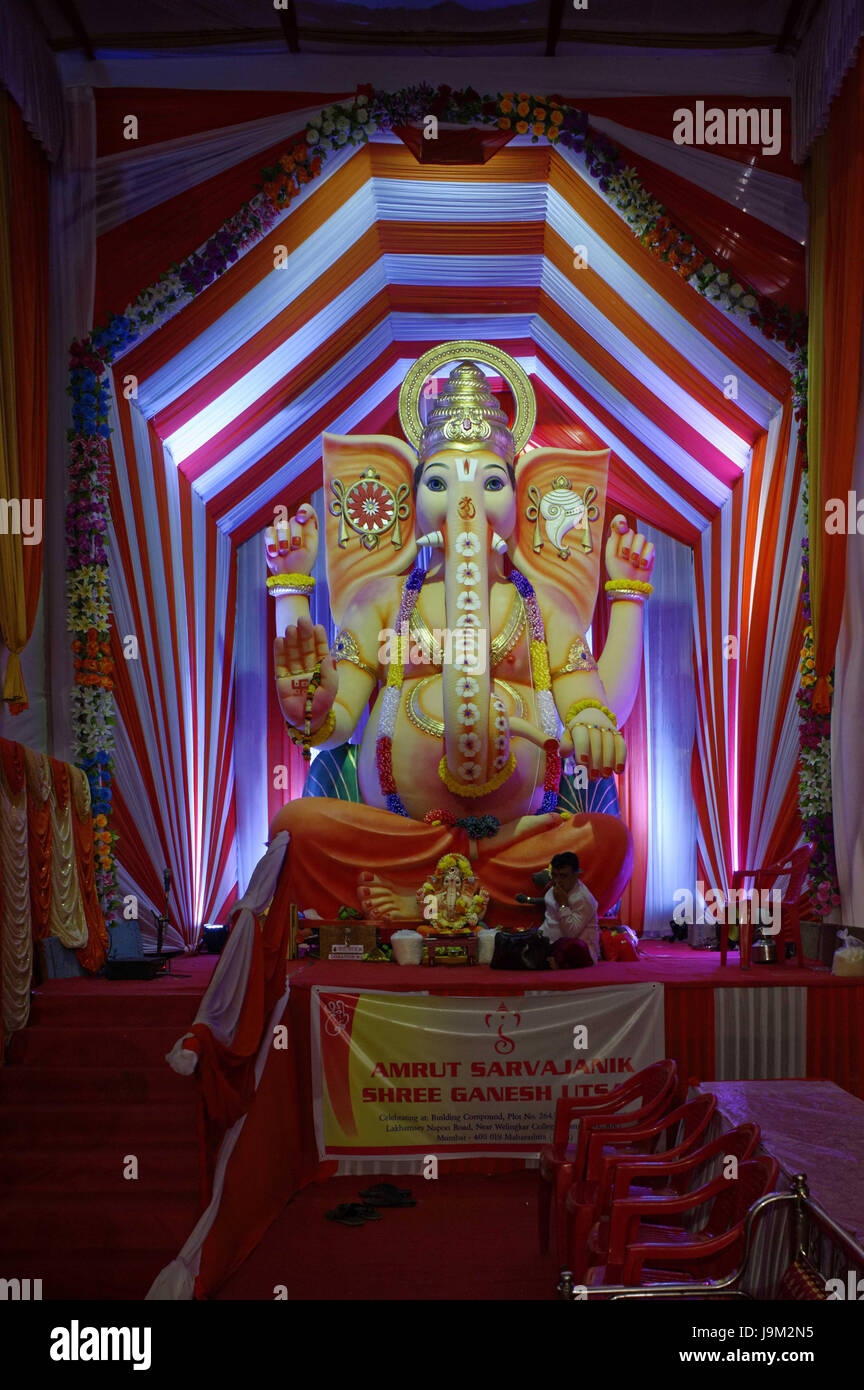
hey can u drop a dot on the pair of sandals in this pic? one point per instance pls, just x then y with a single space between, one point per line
384 1194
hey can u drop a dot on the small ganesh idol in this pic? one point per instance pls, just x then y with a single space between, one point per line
463 568
451 900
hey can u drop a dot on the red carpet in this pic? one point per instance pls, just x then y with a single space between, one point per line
85 1085
469 1237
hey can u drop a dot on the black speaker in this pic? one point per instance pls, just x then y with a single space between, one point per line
132 969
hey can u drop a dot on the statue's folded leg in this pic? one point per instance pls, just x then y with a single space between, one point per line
344 853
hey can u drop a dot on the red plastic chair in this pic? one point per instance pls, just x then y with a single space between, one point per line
633 1176
684 1128
642 1252
653 1091
796 866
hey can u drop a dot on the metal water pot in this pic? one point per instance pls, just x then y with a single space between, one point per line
764 951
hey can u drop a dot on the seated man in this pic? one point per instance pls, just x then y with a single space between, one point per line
571 917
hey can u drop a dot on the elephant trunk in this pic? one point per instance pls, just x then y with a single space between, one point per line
467 679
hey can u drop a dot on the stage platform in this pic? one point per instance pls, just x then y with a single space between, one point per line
720 1024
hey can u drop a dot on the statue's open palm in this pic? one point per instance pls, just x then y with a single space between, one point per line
629 554
295 656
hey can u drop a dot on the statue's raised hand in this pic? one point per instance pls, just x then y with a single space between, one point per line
295 656
629 554
292 546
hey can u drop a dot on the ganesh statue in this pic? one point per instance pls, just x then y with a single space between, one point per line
463 570
451 901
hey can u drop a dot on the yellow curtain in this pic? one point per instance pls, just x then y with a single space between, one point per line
13 611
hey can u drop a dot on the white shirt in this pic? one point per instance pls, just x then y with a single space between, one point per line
577 920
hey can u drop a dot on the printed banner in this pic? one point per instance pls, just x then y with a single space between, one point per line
412 1073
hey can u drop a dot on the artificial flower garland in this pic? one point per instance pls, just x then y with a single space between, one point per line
814 786
88 514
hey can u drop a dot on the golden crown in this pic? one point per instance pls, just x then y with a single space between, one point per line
466 413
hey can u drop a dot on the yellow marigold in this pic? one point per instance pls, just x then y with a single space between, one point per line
538 128
504 123
508 96
539 113
552 133
506 106
522 127
557 117
523 108
101 820
523 96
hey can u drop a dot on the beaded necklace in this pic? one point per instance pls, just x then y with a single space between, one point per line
542 685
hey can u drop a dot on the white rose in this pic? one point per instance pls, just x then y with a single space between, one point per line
735 290
360 101
312 136
723 278
748 302
316 119
362 116
328 128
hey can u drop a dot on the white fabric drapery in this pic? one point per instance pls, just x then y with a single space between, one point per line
171 588
28 69
826 55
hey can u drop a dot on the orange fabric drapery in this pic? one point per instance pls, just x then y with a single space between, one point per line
842 307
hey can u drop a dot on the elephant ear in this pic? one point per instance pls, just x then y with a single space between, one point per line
561 501
369 527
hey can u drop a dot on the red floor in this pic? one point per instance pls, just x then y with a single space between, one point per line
469 1237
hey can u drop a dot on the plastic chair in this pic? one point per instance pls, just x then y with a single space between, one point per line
671 1174
796 866
684 1128
642 1252
652 1091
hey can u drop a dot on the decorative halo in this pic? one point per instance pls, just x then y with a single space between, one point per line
468 350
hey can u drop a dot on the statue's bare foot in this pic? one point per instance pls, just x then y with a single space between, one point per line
382 901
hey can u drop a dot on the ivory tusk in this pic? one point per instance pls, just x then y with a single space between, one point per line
498 543
433 538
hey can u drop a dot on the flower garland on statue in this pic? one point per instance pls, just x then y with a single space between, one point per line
545 704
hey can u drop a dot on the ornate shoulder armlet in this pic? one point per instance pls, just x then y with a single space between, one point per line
347 648
579 658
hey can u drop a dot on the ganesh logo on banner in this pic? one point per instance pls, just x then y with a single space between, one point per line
403 1073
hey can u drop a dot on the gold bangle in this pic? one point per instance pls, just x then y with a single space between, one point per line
298 585
630 587
589 703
